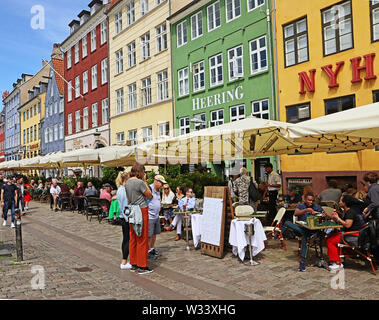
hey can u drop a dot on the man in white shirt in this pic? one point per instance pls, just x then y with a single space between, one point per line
274 183
55 190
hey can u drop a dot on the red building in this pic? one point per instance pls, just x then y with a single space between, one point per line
86 72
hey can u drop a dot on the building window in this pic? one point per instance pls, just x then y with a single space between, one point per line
374 19
61 133
132 136
104 71
298 113
77 121
296 42
237 113
215 70
120 101
162 85
161 37
51 136
214 16
181 33
119 62
61 105
105 111
69 59
183 82
217 117
253 4
201 117
85 118
39 107
260 109
56 107
258 55
339 104
197 25
56 137
198 76
132 54
118 22
120 137
76 53
84 47
132 96
144 7
46 135
35 132
130 13
233 9
94 115
93 40
85 82
164 129
375 96
77 87
69 123
145 46
337 28
69 93
147 134
25 116
94 77
146 91
235 62
184 125
103 32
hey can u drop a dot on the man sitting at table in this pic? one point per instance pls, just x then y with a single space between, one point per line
302 211
293 199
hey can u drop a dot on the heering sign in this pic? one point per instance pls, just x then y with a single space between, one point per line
218 99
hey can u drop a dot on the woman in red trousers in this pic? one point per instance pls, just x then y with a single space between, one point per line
137 192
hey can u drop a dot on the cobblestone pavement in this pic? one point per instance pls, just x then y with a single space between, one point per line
81 260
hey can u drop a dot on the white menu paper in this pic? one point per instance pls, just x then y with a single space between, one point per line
212 221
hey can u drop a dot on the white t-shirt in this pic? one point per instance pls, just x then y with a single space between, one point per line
56 190
274 178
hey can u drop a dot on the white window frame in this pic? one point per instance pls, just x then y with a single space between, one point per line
93 40
56 107
85 82
234 15
132 96
261 112
69 91
219 120
216 68
84 47
61 131
69 59
120 137
103 32
94 77
198 72
132 58
130 13
77 87
147 134
183 82
69 123
119 62
164 129
181 33
145 46
56 133
184 126
202 117
118 22
254 4
85 118
61 105
258 52
133 137
238 115
76 59
162 80
146 98
161 37
104 71
212 16
105 111
197 25
144 7
233 60
77 121
94 115
120 101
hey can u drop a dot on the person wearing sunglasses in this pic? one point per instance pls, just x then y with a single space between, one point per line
167 202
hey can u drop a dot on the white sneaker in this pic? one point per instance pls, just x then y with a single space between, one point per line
125 266
12 225
335 266
5 223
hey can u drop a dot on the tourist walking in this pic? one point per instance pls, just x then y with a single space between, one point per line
9 199
27 197
137 191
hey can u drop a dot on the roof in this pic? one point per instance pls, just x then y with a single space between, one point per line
92 3
58 67
83 12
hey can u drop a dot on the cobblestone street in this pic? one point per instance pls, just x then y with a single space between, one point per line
81 261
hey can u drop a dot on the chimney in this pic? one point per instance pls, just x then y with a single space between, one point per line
44 63
56 53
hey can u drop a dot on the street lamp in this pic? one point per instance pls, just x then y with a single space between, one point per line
202 123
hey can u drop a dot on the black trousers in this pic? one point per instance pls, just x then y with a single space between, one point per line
125 239
272 197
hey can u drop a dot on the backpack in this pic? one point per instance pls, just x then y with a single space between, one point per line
254 194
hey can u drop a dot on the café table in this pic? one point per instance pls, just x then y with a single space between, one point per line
320 229
187 215
239 240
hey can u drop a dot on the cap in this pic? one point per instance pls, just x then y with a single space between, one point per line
107 185
160 179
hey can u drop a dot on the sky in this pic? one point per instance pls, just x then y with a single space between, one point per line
27 38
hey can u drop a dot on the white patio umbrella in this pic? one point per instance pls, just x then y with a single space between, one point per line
80 157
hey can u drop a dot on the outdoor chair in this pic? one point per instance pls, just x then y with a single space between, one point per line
95 208
65 200
45 196
243 212
357 246
312 242
275 229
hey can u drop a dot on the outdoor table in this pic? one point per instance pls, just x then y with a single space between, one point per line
239 240
196 228
186 218
320 229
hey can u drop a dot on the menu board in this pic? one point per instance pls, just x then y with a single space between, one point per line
211 222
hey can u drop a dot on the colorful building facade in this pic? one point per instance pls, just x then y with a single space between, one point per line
86 105
140 71
2 136
222 57
327 63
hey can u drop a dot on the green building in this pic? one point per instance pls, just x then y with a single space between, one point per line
223 69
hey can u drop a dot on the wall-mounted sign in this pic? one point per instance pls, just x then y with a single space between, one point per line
218 99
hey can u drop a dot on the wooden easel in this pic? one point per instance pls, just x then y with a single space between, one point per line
227 217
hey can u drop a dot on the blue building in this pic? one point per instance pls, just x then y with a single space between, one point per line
52 125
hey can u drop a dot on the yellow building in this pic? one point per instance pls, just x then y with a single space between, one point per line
140 71
31 114
326 63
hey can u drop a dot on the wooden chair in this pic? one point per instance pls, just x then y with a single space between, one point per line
275 228
357 246
65 201
95 206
